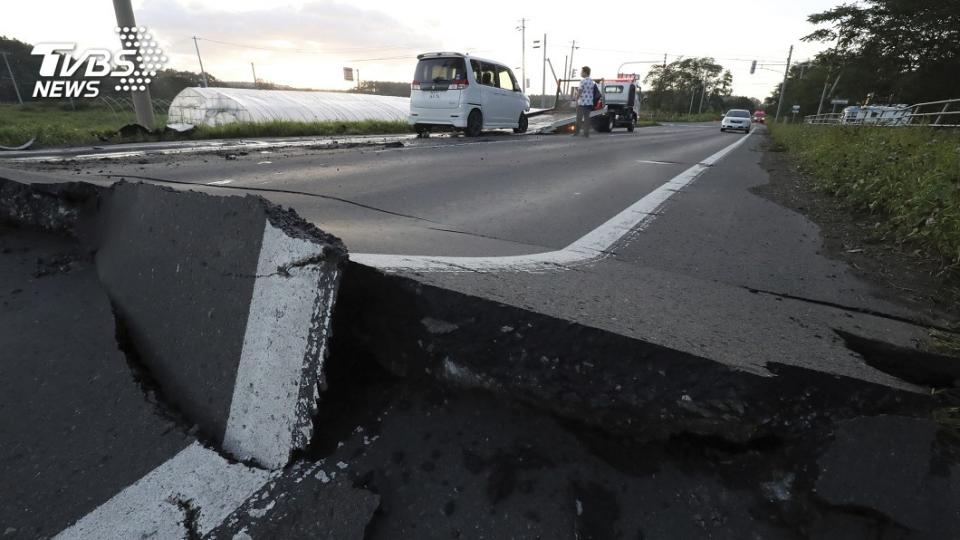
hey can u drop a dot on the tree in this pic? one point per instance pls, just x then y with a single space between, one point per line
384 88
25 67
888 51
678 84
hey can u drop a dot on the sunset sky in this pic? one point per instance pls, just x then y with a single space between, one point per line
307 43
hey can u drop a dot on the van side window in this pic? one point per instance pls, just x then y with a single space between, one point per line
506 79
477 72
488 75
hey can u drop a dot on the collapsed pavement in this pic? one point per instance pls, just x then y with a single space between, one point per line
420 380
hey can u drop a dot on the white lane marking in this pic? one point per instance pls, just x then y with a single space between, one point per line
592 246
655 162
149 508
283 348
220 182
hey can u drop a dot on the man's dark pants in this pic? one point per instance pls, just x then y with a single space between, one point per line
583 120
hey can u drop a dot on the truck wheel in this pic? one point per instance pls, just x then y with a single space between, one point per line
422 132
611 123
633 123
474 123
522 124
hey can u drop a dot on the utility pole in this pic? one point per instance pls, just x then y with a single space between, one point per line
523 54
12 78
564 73
832 89
202 72
664 60
703 91
573 47
543 83
142 103
783 87
254 70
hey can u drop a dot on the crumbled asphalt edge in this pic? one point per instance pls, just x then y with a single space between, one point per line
611 390
693 402
604 379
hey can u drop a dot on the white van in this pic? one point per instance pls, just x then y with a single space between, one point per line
464 93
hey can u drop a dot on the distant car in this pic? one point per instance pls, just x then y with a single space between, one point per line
736 119
760 117
463 93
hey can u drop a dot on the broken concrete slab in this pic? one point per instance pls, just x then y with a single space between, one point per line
226 301
242 289
614 381
76 426
303 502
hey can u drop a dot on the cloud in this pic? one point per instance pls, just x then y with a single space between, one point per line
339 28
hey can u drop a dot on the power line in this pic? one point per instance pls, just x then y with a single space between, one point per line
302 50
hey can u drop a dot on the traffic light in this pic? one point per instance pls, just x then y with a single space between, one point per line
753 67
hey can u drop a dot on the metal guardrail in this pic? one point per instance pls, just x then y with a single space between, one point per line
943 114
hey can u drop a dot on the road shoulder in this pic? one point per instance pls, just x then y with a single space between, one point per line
899 273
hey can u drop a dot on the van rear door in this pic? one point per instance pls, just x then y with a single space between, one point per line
438 82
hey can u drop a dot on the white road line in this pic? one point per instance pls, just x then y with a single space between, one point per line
154 506
283 349
271 411
220 182
592 246
655 162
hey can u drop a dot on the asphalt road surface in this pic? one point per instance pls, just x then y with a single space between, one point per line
653 235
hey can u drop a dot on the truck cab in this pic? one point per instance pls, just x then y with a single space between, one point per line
622 98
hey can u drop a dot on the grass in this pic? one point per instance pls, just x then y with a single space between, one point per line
298 129
661 116
909 178
56 125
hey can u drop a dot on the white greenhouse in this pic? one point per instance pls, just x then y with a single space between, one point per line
218 106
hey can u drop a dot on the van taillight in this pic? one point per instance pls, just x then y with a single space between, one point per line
459 84
415 85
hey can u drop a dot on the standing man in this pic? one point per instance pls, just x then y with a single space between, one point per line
585 102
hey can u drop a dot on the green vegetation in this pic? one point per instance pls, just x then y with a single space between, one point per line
667 116
881 51
59 125
299 129
909 178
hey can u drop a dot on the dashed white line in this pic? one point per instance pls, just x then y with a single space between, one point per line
592 246
220 182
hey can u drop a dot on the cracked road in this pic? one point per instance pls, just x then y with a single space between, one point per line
708 271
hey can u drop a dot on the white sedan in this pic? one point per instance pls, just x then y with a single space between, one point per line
736 119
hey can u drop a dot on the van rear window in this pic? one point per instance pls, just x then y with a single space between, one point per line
440 70
613 89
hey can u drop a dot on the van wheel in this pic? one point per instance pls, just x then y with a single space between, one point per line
633 123
522 124
474 123
422 132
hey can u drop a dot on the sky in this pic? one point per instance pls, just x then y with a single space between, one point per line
308 43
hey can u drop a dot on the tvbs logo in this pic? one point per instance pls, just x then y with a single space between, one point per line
135 66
